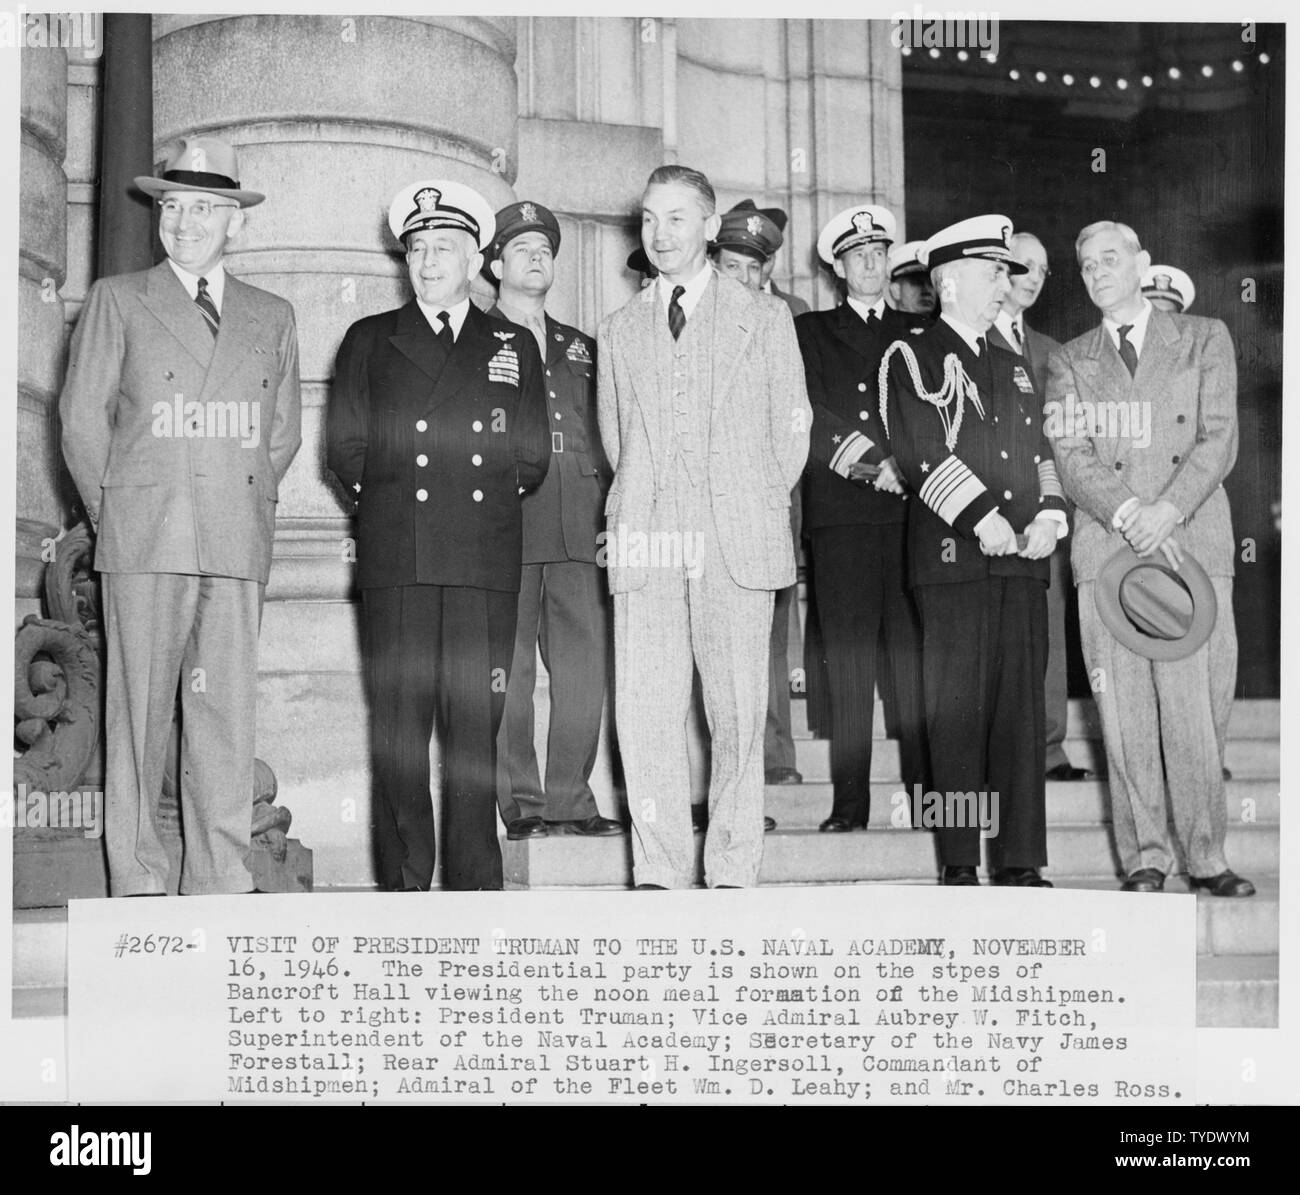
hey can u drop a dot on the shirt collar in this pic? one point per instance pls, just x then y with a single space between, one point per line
965 331
1139 332
1006 323
866 310
457 314
216 282
694 290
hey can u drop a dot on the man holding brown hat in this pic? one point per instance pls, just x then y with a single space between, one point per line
180 416
1149 410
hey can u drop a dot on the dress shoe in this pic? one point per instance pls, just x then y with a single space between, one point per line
1145 879
1227 775
835 825
717 886
526 827
699 817
1067 771
1226 883
1019 877
782 776
959 877
769 824
651 888
594 826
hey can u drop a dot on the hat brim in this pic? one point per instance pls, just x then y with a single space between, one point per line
155 188
1205 606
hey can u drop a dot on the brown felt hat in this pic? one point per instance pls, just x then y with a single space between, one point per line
1153 610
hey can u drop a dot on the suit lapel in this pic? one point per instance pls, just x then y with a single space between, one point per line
466 364
172 306
1108 372
239 325
852 329
415 340
1157 347
734 319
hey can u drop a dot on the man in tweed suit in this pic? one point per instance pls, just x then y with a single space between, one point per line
704 417
180 416
1150 470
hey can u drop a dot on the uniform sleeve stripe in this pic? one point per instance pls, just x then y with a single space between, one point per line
1049 482
854 448
950 489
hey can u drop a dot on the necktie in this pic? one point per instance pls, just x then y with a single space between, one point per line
676 316
982 348
208 307
873 320
1019 336
444 317
1128 354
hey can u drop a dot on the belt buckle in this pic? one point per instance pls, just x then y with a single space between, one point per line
557 441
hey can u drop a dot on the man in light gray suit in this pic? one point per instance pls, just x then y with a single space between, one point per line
1145 463
180 415
704 416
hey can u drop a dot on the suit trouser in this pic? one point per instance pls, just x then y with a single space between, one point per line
161 629
1175 709
984 653
778 741
861 595
436 655
564 608
1056 692
661 633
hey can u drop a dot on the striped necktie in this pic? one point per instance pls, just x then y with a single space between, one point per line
208 307
1127 350
676 316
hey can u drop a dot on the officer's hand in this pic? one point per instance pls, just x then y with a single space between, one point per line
889 478
862 471
997 536
1040 538
1173 553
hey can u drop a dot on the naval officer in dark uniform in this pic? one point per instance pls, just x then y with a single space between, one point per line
437 422
966 425
563 601
855 522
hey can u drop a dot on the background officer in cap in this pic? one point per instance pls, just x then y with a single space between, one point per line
1161 720
855 526
1167 288
1010 332
563 601
911 292
746 244
182 495
966 423
436 421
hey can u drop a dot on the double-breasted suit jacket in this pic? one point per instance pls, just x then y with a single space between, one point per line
707 434
1168 431
178 440
437 437
856 534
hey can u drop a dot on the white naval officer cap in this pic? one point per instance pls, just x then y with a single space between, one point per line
854 226
441 203
1169 282
986 237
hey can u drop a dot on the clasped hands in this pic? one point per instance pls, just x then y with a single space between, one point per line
998 538
1149 526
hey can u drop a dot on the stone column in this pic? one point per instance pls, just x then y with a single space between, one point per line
331 116
44 490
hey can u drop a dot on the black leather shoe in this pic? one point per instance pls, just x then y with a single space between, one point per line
782 776
651 888
699 817
1067 771
835 825
1226 883
526 827
1145 879
959 877
769 824
1019 877
1227 775
594 826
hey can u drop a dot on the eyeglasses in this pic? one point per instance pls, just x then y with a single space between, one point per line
200 209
